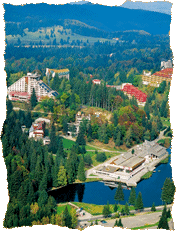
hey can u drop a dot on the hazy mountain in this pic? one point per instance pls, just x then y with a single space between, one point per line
158 6
102 17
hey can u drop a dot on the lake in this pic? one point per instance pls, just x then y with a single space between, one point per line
98 193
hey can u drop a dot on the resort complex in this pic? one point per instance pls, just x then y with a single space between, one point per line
131 166
22 89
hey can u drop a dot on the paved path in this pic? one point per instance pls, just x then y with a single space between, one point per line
144 211
139 220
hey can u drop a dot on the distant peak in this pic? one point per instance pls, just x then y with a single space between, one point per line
80 2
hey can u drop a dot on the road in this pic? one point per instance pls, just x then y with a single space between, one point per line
139 220
144 211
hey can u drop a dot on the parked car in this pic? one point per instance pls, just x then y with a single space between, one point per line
103 221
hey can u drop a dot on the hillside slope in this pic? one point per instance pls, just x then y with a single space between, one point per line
102 17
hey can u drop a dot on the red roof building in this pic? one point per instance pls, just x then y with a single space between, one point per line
130 90
96 81
158 77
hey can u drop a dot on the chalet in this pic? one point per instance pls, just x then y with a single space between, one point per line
37 130
96 81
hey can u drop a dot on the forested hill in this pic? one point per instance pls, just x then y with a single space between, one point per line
110 19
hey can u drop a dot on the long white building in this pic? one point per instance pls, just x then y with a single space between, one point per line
22 88
62 73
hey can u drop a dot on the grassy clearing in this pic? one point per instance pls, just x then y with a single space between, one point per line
98 209
147 175
145 226
165 121
108 154
61 208
165 161
69 143
59 33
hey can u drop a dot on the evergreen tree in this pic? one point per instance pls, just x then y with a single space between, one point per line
168 213
60 150
80 140
31 194
74 219
62 178
33 100
168 191
139 202
106 210
119 195
115 208
72 166
54 172
43 198
132 196
120 223
122 212
81 171
65 126
89 131
163 223
43 182
88 160
53 146
153 209
66 218
127 211
116 223
28 119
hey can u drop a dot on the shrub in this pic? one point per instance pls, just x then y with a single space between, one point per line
101 157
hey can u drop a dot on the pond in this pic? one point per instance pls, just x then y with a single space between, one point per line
98 193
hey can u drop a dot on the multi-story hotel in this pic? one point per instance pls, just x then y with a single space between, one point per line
22 88
158 77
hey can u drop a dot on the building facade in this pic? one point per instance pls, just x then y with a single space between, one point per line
158 77
127 165
23 88
131 91
73 128
62 73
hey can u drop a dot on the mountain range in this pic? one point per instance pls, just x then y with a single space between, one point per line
109 19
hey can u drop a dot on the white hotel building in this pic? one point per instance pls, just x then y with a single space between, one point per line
22 88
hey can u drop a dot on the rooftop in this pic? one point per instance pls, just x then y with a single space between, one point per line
164 73
59 71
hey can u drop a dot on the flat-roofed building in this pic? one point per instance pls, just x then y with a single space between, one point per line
128 165
62 73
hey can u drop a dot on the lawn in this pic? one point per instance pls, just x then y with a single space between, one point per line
165 121
147 175
68 144
59 33
61 208
98 209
